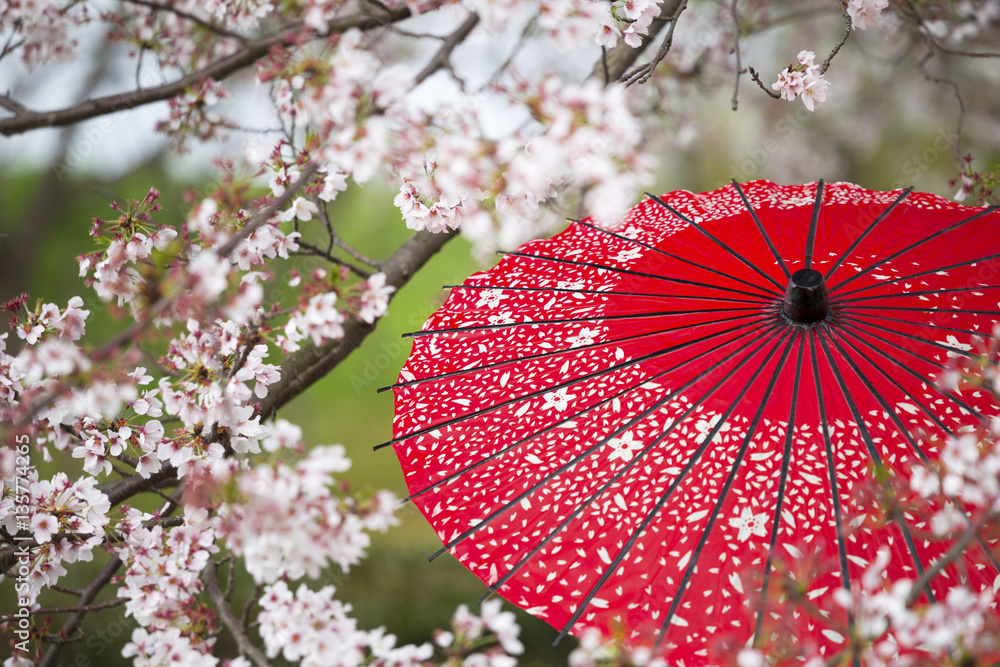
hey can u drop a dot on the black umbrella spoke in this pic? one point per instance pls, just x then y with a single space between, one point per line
567 383
644 274
667 254
737 462
930 292
553 353
861 237
811 239
838 513
852 325
760 228
569 290
782 480
589 318
909 438
883 318
846 331
834 335
920 274
618 475
930 237
873 453
695 457
718 242
901 334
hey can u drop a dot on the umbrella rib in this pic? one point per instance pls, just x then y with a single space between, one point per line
723 492
913 309
969 332
663 499
848 331
646 295
785 460
642 274
568 383
934 292
666 254
965 353
865 233
717 241
873 453
928 272
635 461
553 353
571 320
845 580
760 228
850 324
595 447
910 247
811 240
909 438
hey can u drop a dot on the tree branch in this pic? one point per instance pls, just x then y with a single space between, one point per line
25 120
441 57
617 61
309 364
246 646
74 621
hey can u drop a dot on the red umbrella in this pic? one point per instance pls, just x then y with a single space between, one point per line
616 428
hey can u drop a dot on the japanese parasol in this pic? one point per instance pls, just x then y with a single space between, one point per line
612 427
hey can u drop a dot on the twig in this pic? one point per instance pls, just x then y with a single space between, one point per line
641 75
333 259
73 623
957 550
843 40
264 214
246 646
736 50
335 240
441 59
191 17
760 84
65 610
615 63
301 369
219 70
791 17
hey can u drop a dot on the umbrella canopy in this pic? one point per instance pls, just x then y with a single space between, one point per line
617 428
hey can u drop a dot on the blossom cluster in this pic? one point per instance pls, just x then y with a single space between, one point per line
803 78
279 508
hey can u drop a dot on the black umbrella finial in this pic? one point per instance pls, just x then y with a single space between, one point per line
806 298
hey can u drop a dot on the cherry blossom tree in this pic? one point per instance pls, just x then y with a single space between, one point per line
175 469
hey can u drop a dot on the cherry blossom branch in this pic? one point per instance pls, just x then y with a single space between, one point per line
97 606
956 551
113 346
441 59
641 75
86 598
236 629
613 65
26 120
760 84
739 58
301 369
843 40
220 30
